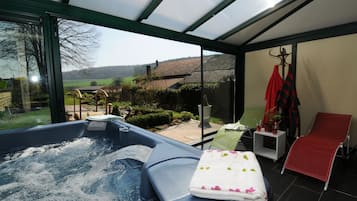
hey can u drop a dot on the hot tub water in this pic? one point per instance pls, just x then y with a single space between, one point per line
83 169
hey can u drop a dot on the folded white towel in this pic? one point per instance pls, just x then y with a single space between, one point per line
107 117
228 175
235 126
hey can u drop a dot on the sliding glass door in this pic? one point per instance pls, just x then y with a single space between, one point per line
218 91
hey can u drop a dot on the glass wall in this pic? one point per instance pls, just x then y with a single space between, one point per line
218 92
24 99
151 82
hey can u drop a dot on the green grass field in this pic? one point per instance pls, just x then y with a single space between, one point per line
86 83
128 81
71 84
100 82
24 120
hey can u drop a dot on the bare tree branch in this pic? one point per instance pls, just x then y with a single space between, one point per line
77 42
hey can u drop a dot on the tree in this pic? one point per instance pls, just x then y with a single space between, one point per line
77 43
22 44
117 82
93 83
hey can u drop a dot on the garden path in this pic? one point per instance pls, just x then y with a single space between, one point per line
187 132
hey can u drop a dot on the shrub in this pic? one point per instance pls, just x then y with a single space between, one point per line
186 116
88 99
117 81
3 84
115 110
146 110
2 114
151 119
93 83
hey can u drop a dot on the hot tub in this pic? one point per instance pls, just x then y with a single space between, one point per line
165 175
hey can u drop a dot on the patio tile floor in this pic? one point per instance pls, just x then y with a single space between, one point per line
290 186
187 132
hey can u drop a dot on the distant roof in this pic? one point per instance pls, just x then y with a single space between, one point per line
177 67
161 84
208 76
219 62
188 70
215 69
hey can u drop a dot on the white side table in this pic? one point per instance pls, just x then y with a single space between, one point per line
259 149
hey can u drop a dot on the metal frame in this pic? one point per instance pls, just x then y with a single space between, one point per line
202 96
33 9
340 30
53 63
41 7
224 4
148 10
334 156
65 1
328 179
52 58
19 18
255 19
240 84
277 22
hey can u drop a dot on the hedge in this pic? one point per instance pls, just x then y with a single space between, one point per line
151 120
146 110
186 98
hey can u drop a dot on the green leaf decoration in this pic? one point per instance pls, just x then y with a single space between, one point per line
224 154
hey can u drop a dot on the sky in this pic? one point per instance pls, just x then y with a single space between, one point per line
125 48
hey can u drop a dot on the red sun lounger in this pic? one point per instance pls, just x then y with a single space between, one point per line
313 155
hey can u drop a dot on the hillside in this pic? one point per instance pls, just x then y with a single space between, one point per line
105 72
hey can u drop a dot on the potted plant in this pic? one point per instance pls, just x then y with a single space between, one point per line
206 113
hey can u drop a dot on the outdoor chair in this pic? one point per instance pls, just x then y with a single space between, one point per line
314 154
240 138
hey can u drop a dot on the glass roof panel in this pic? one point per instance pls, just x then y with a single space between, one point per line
125 9
247 33
179 14
232 16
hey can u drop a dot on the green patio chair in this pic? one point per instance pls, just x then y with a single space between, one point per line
228 139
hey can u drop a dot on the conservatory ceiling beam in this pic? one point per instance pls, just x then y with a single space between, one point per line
148 10
254 19
339 30
277 22
209 15
19 18
42 7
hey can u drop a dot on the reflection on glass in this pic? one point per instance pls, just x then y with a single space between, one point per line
23 77
218 98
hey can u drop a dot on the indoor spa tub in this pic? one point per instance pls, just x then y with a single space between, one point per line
100 153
